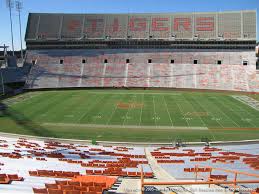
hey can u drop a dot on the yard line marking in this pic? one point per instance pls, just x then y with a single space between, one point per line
204 109
89 108
182 114
225 113
154 110
168 111
126 115
114 110
230 107
101 112
51 110
212 134
194 109
240 100
213 114
140 118
248 101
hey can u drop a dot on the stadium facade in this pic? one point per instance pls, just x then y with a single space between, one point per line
213 50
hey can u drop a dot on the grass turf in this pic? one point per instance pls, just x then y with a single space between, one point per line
37 113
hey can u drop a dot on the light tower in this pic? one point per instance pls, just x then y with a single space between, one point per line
18 5
9 4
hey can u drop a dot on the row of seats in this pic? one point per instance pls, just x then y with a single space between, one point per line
118 172
8 178
74 187
53 173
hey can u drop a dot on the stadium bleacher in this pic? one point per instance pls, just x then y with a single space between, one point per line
181 162
44 166
51 166
210 50
148 68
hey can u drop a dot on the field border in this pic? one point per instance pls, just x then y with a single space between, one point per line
115 143
141 88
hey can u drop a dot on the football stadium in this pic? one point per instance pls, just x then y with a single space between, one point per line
131 103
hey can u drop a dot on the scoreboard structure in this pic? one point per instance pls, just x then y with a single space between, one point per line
236 25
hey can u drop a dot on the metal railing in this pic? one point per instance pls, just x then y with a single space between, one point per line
207 180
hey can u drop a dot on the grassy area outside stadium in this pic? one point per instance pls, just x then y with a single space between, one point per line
131 115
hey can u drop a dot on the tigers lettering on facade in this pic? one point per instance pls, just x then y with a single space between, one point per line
228 25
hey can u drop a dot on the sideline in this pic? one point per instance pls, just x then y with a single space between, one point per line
142 144
120 126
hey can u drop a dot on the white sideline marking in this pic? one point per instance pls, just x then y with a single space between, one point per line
138 93
122 126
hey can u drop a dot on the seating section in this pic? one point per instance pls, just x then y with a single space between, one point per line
138 75
43 165
143 68
185 163
114 75
55 167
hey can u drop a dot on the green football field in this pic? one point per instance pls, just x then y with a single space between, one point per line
131 115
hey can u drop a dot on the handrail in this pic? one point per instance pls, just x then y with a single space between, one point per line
201 182
208 182
231 171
